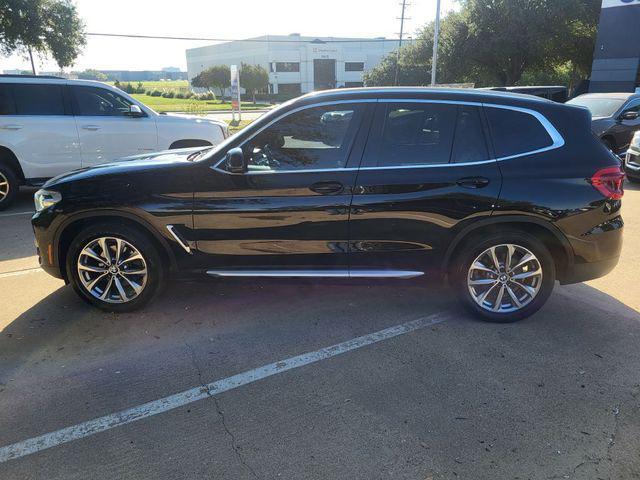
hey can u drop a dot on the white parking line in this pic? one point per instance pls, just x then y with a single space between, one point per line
101 424
21 272
13 214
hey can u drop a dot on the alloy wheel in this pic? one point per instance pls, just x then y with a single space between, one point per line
504 278
112 270
4 186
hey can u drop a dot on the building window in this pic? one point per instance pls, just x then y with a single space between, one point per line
353 66
287 66
289 88
353 84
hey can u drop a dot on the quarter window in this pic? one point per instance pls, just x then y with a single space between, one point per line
470 144
313 138
516 132
36 99
414 134
92 101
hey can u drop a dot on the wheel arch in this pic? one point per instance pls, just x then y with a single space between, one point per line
73 225
9 158
558 245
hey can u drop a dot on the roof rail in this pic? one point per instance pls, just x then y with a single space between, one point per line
15 75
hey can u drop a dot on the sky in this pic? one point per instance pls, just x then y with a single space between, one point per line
229 19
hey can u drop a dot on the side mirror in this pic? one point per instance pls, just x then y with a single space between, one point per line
235 161
629 115
135 111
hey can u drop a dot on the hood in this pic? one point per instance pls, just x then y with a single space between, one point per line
129 165
183 118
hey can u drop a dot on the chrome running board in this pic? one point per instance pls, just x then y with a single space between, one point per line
316 273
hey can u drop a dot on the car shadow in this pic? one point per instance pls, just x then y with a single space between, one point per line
16 236
203 309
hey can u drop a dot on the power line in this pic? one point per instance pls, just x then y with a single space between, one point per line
267 39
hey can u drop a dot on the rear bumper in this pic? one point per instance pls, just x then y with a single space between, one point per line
581 272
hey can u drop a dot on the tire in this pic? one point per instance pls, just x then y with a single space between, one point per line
136 289
8 186
531 290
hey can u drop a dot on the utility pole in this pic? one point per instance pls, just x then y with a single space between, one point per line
436 37
402 19
33 65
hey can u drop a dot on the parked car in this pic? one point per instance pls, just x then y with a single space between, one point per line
632 159
615 117
557 93
502 193
51 125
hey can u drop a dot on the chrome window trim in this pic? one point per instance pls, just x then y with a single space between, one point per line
556 137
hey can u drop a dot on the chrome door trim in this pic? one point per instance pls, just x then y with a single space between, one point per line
180 241
315 273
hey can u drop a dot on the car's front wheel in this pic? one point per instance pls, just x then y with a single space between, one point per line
115 267
505 277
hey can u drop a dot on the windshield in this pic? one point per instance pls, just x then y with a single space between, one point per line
598 106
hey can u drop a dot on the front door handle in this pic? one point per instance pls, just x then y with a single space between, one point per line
473 182
11 126
93 128
327 188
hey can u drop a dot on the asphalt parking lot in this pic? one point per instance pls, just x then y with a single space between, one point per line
232 380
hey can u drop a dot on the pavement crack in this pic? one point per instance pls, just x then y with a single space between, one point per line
232 437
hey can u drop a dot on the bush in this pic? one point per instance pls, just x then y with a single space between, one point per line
140 88
179 95
168 94
188 95
154 93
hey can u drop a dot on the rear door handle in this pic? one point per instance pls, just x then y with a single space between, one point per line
327 188
473 182
93 128
11 126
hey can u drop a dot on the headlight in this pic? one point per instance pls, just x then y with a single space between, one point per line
45 199
636 140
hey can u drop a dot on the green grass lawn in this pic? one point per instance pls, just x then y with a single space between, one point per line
161 104
175 85
237 126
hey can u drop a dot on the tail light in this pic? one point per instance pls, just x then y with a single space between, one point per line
609 182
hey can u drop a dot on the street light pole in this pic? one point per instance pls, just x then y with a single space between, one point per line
436 36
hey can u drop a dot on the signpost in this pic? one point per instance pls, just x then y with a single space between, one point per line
235 93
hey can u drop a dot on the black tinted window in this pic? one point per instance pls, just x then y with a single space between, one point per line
516 132
92 101
7 107
312 138
38 99
470 144
414 134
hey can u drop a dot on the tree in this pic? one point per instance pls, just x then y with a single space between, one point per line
91 74
48 27
218 76
253 78
501 42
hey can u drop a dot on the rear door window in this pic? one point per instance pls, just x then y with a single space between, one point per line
38 99
412 134
470 144
515 132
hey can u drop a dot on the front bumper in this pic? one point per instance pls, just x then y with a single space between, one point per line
632 163
44 242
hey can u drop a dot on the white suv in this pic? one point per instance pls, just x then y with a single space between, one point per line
51 125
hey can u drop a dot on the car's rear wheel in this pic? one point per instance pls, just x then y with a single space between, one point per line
505 277
115 267
8 186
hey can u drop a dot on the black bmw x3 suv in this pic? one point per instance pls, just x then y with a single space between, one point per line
502 194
